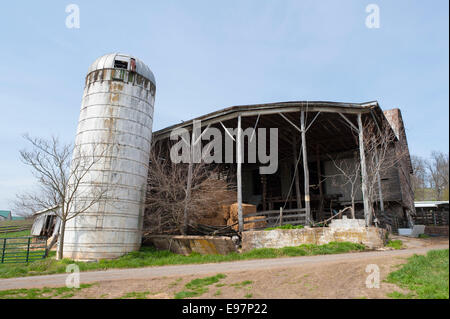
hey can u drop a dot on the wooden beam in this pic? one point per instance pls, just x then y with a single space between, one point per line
239 175
349 122
305 168
362 155
319 180
189 184
289 121
380 190
297 178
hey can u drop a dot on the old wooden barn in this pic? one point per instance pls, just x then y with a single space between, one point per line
320 148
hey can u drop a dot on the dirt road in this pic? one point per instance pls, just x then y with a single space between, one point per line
344 271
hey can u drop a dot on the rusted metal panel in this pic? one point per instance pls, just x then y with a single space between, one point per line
117 111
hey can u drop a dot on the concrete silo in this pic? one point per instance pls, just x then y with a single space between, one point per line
117 115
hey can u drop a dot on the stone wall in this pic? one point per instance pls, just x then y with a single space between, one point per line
187 244
371 237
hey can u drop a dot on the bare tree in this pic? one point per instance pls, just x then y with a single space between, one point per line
383 153
438 170
420 177
349 174
175 200
62 172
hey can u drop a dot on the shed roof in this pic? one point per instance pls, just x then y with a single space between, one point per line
272 108
5 213
426 204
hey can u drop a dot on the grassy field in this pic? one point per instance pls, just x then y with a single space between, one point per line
427 277
149 256
23 233
24 222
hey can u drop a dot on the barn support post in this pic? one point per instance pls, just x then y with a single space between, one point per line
189 183
239 174
305 168
380 190
297 178
319 181
362 155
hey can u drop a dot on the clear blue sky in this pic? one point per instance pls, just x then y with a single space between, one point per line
208 55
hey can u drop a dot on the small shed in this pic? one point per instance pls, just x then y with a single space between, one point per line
432 213
46 222
5 215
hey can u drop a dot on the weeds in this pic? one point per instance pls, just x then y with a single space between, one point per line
198 286
426 276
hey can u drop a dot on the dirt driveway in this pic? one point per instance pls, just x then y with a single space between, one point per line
330 276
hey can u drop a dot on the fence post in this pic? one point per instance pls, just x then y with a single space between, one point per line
28 248
281 216
3 251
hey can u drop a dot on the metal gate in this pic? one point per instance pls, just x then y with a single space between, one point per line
21 249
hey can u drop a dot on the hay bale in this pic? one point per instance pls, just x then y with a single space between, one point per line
226 211
246 210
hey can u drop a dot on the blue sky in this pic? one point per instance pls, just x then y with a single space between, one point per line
208 55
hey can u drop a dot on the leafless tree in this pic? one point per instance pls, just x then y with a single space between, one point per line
349 174
438 168
62 172
420 177
170 198
383 153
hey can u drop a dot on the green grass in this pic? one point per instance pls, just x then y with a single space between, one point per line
248 295
427 277
149 256
423 236
242 284
287 226
396 244
198 287
43 293
23 233
137 295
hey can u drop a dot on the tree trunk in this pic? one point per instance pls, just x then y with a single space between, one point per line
61 239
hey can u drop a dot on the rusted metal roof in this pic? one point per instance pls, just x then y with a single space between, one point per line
134 64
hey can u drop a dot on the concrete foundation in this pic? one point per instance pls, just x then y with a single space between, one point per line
371 237
187 244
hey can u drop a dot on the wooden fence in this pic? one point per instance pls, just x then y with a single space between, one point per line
13 229
425 216
278 217
21 249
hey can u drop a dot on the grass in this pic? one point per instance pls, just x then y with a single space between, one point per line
423 236
427 277
149 256
242 284
137 295
23 233
42 293
198 287
23 222
286 226
396 244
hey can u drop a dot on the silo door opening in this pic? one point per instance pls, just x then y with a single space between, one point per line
120 64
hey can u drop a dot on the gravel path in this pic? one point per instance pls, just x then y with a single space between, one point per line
59 280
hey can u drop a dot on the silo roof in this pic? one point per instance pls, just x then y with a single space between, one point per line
107 62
